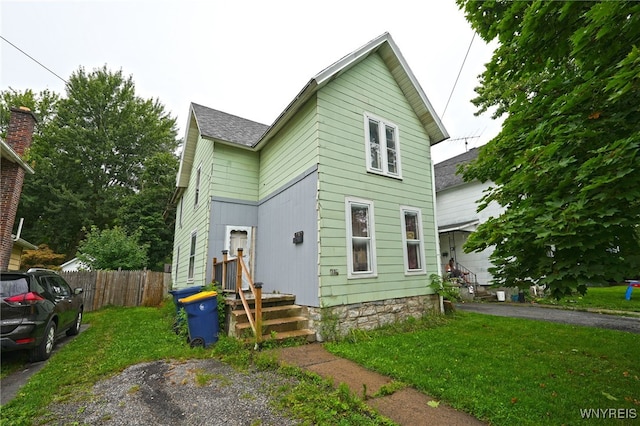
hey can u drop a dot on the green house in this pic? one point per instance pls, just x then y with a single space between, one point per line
333 203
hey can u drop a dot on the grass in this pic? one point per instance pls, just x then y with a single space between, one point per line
120 337
507 371
502 370
609 298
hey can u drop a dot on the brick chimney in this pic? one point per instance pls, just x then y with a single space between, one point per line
19 138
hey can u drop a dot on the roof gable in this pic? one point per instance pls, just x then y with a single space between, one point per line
227 128
388 50
446 172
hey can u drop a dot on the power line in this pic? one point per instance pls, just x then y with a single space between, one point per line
459 72
33 59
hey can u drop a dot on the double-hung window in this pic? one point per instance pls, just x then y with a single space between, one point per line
382 146
192 257
413 240
196 196
361 247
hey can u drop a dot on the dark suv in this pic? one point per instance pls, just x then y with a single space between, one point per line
37 307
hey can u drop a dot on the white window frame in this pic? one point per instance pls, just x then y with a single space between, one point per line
372 272
384 160
196 196
192 256
415 241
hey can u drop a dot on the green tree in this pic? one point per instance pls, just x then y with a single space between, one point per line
42 257
150 212
42 104
566 163
90 157
111 249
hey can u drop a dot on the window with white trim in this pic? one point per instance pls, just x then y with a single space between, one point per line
361 247
197 194
382 146
412 240
192 257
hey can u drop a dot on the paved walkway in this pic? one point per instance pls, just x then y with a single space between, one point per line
600 319
407 407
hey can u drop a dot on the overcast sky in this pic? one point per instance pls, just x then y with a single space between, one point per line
247 58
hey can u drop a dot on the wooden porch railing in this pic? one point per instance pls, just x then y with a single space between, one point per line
231 273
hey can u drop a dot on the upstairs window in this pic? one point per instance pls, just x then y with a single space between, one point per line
361 248
383 147
192 257
197 194
412 238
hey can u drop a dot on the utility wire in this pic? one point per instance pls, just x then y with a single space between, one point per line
459 72
33 59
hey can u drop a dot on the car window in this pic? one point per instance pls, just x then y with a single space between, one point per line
11 286
59 287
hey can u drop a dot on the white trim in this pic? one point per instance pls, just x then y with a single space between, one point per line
372 272
384 160
422 270
198 182
193 249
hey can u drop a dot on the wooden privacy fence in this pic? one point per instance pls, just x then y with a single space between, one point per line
119 288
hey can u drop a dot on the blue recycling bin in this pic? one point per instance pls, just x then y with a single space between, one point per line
181 293
202 318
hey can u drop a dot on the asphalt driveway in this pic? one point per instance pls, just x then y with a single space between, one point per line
630 324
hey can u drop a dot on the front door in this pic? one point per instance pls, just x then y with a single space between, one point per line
240 237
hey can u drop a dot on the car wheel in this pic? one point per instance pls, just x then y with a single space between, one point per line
44 349
75 328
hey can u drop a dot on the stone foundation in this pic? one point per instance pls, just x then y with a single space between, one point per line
337 321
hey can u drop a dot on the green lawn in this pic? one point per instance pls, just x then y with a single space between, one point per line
120 337
508 371
502 370
610 298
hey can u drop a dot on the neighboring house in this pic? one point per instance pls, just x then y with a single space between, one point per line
333 202
457 215
12 171
73 265
19 246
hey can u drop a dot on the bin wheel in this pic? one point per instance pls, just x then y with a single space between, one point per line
198 341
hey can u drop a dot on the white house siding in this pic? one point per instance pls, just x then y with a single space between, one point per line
369 87
457 205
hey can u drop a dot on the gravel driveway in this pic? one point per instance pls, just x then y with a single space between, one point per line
589 319
171 393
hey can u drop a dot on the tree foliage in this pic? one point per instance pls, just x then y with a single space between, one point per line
566 164
42 104
112 249
149 213
42 257
90 158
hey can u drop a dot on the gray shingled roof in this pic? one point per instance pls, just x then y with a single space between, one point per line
445 172
226 127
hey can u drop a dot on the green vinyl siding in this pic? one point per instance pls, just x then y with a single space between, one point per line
292 151
194 219
370 88
235 173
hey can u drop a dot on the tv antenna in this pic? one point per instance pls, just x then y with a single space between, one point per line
466 141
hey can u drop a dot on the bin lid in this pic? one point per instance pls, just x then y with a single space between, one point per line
198 296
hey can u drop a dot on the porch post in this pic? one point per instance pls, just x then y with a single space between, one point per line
258 287
225 254
239 272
